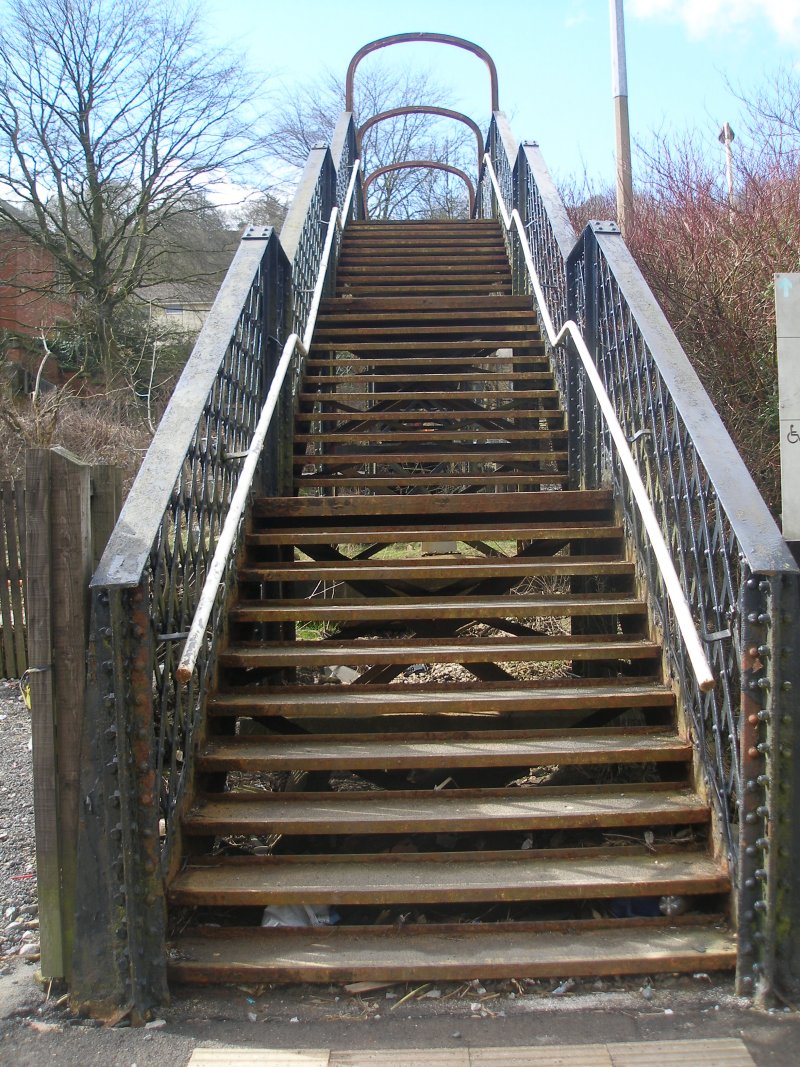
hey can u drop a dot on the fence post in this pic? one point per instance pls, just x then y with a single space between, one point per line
45 764
60 554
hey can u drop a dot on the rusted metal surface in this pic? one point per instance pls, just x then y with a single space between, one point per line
517 950
449 878
454 607
373 700
425 109
119 962
427 749
451 811
419 164
413 38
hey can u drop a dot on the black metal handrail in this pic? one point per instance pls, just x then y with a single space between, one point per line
737 572
142 724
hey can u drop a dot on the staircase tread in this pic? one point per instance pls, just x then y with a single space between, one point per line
423 345
428 415
451 810
433 650
434 455
447 877
436 504
427 607
429 376
434 567
428 952
471 478
437 750
422 395
362 535
490 699
391 437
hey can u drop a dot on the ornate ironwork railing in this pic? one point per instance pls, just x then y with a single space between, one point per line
142 724
737 573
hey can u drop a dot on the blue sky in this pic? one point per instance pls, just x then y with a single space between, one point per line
553 59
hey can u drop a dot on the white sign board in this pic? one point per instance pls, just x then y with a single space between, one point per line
787 322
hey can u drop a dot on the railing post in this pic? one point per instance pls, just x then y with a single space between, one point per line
582 414
782 863
120 947
754 818
276 465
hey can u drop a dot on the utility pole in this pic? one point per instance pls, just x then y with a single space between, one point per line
619 88
726 139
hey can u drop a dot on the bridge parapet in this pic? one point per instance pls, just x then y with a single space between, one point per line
737 572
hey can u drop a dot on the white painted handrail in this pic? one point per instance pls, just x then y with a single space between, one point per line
680 605
227 537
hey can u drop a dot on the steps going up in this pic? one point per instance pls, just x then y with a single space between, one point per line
441 715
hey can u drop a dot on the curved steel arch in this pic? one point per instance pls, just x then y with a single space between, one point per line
424 109
428 164
410 38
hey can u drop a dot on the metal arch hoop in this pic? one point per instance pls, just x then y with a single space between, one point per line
423 109
410 38
428 164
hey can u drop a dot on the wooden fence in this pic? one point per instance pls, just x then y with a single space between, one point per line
13 616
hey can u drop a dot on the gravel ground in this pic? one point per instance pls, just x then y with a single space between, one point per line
19 924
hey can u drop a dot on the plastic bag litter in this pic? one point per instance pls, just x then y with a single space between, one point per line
299 915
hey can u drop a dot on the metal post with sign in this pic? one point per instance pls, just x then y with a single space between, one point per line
787 323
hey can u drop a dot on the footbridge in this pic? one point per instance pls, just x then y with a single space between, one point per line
444 633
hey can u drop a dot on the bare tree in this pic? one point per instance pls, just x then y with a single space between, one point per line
710 260
309 117
114 114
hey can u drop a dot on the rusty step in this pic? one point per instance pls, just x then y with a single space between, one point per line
595 502
464 480
566 532
400 608
404 457
437 749
465 344
354 378
433 269
344 459
557 503
498 331
422 257
423 395
452 951
436 650
437 363
425 305
392 437
445 811
450 568
427 415
421 878
430 289
439 699
376 312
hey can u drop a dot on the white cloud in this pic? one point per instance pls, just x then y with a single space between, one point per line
706 17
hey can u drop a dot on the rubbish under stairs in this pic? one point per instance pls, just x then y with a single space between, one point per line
441 713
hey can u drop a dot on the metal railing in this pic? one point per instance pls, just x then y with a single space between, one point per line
515 233
177 536
736 572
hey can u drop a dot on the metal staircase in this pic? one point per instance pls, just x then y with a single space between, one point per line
479 728
442 602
